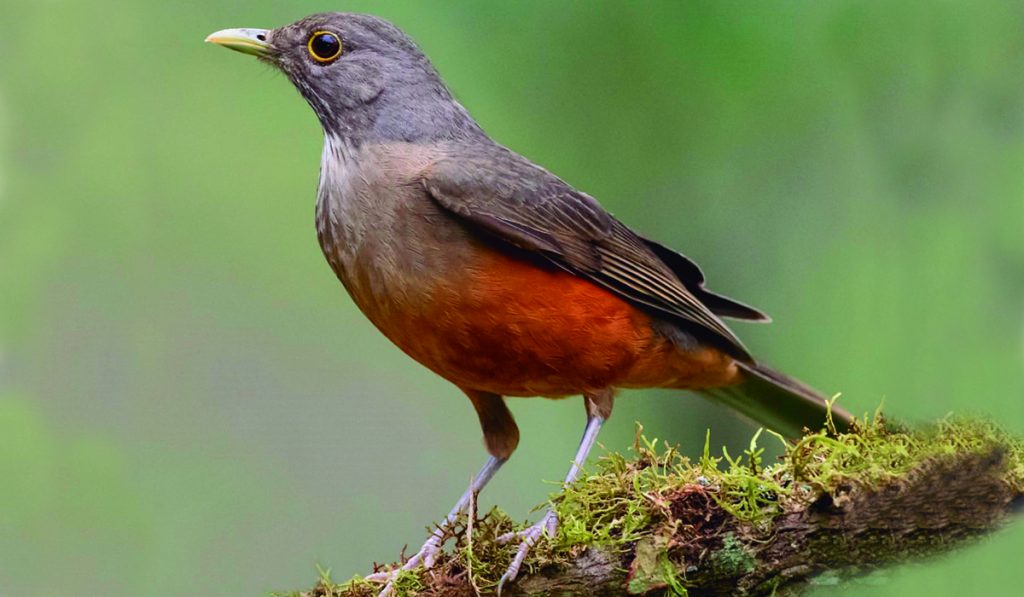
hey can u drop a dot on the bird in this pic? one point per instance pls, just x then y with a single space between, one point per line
493 272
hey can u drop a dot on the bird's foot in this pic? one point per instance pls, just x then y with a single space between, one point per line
528 538
426 557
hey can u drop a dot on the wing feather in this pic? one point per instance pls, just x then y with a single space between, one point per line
503 194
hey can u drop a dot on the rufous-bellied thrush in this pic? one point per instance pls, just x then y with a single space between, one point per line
492 271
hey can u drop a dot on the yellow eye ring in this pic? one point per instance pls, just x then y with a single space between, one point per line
324 46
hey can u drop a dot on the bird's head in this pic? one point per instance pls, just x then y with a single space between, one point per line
364 78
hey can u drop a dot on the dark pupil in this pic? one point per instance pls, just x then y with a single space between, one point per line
326 45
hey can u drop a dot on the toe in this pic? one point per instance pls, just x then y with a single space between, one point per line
517 563
550 523
529 538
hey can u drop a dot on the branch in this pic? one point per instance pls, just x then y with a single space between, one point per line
835 505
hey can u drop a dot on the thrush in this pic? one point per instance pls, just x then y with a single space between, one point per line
493 272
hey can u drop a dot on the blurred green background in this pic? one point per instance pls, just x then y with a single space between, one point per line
190 404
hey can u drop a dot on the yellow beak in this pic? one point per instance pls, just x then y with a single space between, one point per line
246 41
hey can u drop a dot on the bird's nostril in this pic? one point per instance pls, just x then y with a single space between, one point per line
261 37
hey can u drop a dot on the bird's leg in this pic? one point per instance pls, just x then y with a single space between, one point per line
501 436
599 407
428 553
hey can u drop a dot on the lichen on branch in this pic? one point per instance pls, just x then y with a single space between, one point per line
656 522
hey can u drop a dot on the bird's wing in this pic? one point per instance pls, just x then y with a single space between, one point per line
503 194
693 278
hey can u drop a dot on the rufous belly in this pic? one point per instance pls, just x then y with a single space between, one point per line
512 327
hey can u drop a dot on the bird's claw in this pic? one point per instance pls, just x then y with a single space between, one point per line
528 538
426 557
549 523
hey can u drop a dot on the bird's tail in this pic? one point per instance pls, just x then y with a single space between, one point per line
779 402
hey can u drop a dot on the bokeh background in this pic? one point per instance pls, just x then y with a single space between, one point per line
191 405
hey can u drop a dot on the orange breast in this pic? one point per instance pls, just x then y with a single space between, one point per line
509 326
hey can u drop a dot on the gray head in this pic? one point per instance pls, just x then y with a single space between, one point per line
364 78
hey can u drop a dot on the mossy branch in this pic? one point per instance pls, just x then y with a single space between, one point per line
834 505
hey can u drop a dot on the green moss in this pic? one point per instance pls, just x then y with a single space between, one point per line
409 583
673 514
653 569
732 558
878 453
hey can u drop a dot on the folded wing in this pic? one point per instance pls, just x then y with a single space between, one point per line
502 194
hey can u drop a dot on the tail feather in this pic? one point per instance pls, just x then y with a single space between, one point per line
779 402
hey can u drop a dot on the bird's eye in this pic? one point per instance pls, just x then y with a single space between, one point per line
324 46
